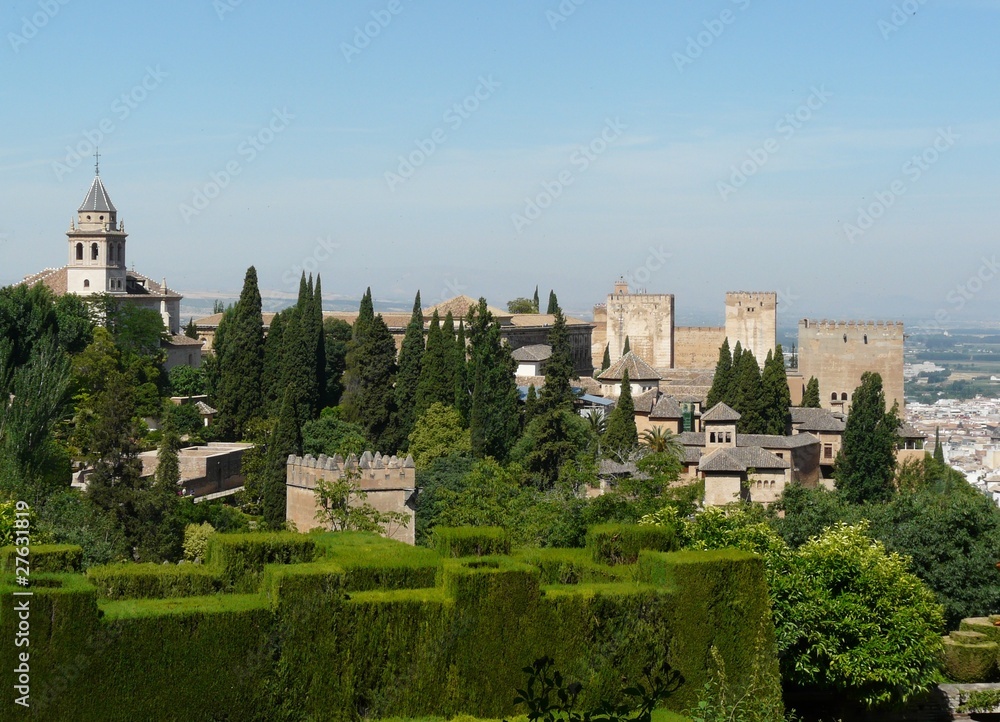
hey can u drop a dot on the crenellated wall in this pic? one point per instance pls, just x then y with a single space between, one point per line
752 319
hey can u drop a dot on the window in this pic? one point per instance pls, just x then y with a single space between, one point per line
711 437
843 396
866 338
780 454
86 283
729 437
111 253
79 251
833 396
845 338
93 251
827 451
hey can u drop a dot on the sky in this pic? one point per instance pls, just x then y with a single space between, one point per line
842 154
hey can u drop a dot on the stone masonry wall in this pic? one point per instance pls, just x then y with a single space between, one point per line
752 319
697 347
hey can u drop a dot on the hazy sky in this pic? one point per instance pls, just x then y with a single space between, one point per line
843 154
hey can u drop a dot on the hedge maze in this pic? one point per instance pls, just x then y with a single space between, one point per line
350 626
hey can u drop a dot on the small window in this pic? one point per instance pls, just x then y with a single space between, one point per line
729 437
111 253
827 451
86 283
780 454
866 338
845 338
79 251
93 251
833 396
843 396
101 218
711 437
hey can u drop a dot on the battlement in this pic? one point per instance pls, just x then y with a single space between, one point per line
825 324
764 299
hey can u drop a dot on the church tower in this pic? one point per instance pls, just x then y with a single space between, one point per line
96 245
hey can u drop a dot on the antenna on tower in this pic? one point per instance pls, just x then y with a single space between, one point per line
97 161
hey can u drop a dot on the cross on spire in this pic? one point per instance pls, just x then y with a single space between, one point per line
97 161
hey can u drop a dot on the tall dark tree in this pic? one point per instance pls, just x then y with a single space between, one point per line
734 382
408 378
432 386
557 393
722 377
938 449
621 436
310 317
553 303
285 439
273 362
336 337
494 416
298 370
530 405
368 398
749 398
157 506
191 330
866 464
606 361
241 363
776 397
463 387
366 314
452 355
627 347
534 300
810 396
354 360
320 341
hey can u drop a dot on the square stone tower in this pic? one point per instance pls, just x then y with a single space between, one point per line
752 319
646 320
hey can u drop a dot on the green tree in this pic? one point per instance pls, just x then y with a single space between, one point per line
137 331
606 360
551 439
810 397
191 329
553 303
330 435
454 357
408 377
186 381
241 360
433 385
723 376
530 404
938 449
75 322
557 392
521 305
748 397
534 301
368 399
336 337
621 437
627 348
286 439
463 387
494 414
319 334
273 368
439 431
734 381
342 506
776 396
162 531
865 466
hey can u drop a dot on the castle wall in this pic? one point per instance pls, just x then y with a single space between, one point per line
389 483
697 347
600 335
837 353
647 320
752 319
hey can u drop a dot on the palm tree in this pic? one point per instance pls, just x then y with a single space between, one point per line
598 422
660 440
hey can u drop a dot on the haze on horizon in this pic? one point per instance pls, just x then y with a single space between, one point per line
695 148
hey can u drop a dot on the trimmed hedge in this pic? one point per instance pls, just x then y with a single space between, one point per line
966 660
143 581
471 541
621 543
572 566
240 558
45 558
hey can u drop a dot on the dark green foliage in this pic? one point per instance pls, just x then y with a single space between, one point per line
369 402
494 415
454 355
186 381
137 331
330 434
627 348
938 449
723 376
557 393
298 361
530 405
551 439
68 517
621 437
867 459
239 395
775 397
408 377
438 483
436 384
286 439
968 659
148 581
239 559
553 303
162 532
467 541
45 558
734 382
463 386
810 397
534 300
606 360
319 335
183 418
274 349
336 336
521 305
748 398
191 330
621 543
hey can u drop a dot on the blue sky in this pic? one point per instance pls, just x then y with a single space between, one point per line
843 154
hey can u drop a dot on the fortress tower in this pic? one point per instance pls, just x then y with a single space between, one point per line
646 319
752 319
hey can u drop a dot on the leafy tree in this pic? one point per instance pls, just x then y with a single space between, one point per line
342 506
297 372
75 322
241 361
530 405
661 440
776 396
186 381
69 517
161 536
27 315
183 419
621 437
557 393
606 361
444 473
438 432
521 305
191 329
723 376
553 303
368 399
867 459
285 441
137 331
434 385
336 336
551 439
810 397
408 377
454 356
494 416
734 381
748 398
330 435
319 335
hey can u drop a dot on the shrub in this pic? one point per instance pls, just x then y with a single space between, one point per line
240 558
471 541
45 558
146 581
621 543
196 540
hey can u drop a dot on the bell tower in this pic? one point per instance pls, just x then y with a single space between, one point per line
96 240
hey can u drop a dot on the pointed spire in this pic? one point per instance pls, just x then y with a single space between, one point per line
97 161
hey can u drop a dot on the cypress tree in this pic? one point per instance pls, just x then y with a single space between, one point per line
311 329
606 361
557 392
350 399
530 405
241 363
723 374
451 354
621 436
463 390
494 416
938 449
734 382
431 386
810 397
408 378
776 397
191 330
627 348
286 439
553 303
368 399
534 299
366 314
273 367
866 464
317 311
749 396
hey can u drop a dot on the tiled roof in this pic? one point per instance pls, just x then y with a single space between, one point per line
741 459
806 419
906 431
666 408
179 339
692 454
720 412
53 278
770 441
204 409
691 438
459 307
541 319
97 198
645 401
638 370
136 284
535 352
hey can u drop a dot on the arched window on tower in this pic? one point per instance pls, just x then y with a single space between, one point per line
93 251
79 251
111 253
121 254
843 396
833 396
86 283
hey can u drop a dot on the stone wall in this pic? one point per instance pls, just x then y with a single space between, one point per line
647 320
697 347
389 482
752 319
599 338
837 353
